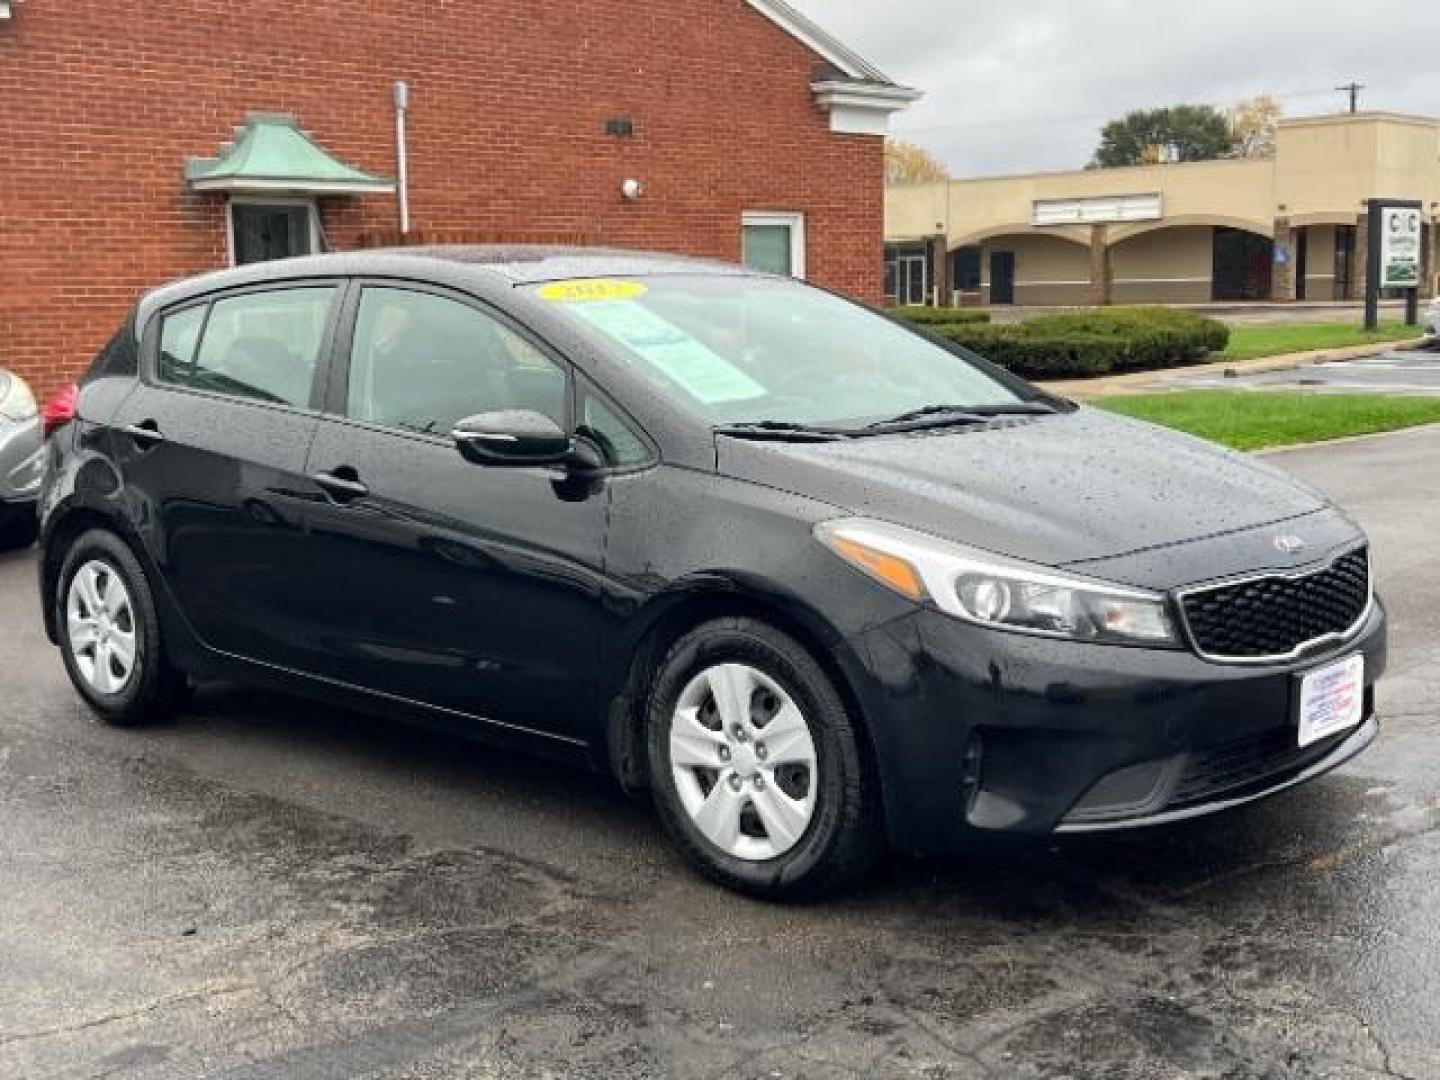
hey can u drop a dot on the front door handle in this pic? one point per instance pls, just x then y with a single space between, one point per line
146 433
342 484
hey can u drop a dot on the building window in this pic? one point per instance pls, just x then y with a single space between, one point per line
967 268
273 229
775 243
907 275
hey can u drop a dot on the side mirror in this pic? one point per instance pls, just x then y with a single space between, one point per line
514 438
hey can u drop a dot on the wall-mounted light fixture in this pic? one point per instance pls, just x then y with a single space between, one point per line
631 190
622 127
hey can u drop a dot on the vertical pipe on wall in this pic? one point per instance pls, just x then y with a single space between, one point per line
402 157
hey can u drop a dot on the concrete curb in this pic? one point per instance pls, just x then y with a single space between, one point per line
1156 381
1367 437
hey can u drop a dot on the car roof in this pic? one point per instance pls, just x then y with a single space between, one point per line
514 265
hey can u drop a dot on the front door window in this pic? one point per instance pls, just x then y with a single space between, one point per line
260 232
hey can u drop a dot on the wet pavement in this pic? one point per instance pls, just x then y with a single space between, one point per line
268 889
1402 371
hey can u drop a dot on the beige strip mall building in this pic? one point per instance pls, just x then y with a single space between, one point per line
1291 227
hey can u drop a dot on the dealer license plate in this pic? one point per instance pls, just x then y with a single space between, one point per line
1332 699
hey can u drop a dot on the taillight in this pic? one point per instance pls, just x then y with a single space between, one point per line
59 410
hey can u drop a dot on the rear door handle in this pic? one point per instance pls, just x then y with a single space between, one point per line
146 433
343 485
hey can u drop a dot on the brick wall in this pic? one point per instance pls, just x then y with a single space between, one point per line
103 102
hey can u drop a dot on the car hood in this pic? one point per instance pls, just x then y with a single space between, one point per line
1055 489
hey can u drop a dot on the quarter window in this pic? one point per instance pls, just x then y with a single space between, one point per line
620 445
262 345
179 335
422 362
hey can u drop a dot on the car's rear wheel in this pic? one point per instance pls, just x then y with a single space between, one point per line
756 763
110 633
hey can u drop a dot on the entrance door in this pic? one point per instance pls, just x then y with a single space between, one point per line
1302 260
1002 277
1243 264
914 283
1344 260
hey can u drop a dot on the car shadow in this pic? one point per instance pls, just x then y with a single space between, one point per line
574 821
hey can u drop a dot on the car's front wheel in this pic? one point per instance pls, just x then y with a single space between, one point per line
110 633
756 764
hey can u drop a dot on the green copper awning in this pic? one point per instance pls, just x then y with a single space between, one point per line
271 154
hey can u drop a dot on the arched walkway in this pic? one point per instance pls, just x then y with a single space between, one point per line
1021 264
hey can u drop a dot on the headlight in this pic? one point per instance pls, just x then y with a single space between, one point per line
996 591
16 400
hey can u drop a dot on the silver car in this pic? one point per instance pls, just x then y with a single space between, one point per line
19 461
1430 320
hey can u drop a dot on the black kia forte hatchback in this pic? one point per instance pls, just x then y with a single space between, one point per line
816 580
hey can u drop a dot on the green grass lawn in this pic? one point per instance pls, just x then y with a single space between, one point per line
1251 420
1249 342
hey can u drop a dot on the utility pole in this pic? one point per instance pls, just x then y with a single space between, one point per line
1353 89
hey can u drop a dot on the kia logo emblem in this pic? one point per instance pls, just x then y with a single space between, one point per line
1289 543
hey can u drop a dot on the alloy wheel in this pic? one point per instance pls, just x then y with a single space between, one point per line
100 627
744 762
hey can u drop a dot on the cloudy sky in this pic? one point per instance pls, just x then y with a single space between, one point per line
1019 85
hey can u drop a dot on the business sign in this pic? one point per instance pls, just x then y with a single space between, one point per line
1400 235
1097 210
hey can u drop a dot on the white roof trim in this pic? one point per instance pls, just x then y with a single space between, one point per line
820 40
300 187
868 95
861 108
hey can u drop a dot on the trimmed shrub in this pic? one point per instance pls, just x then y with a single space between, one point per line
933 316
1036 356
1076 344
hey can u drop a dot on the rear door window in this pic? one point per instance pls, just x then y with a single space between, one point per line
264 346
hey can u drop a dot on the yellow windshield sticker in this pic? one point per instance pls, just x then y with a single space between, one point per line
591 290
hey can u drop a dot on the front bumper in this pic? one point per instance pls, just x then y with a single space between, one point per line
979 729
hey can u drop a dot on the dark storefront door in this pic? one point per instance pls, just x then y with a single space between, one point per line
1302 261
1002 277
1243 265
1344 260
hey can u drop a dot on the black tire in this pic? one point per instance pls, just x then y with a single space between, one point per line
844 835
20 532
155 689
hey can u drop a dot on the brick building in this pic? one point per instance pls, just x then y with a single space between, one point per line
142 142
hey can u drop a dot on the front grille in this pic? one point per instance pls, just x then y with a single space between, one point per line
1275 616
1255 761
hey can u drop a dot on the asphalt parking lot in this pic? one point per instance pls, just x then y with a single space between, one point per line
268 889
1404 371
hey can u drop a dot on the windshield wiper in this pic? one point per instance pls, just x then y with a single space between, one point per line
779 430
958 414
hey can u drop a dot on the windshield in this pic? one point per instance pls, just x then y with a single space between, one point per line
753 350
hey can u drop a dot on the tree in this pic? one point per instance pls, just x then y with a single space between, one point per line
1179 133
906 163
1253 123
